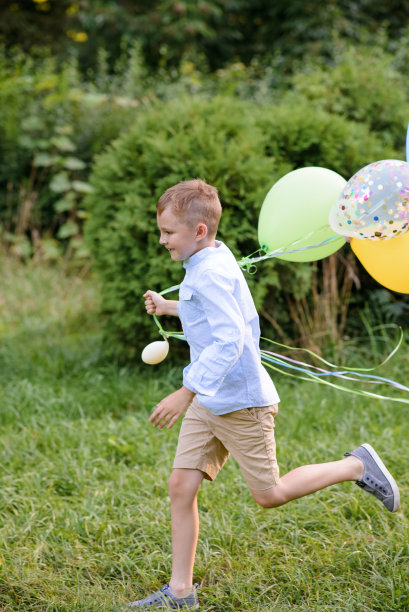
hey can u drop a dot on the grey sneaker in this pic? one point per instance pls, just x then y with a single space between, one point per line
376 479
165 600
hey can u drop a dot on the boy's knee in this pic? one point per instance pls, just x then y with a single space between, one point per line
183 483
270 498
176 484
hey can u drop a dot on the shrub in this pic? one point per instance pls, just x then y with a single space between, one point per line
363 86
237 146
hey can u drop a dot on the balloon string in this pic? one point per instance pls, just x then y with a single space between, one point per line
167 334
249 262
331 365
276 358
340 387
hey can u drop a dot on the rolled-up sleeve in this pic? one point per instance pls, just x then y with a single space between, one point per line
206 373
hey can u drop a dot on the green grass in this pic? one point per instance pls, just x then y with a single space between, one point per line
84 509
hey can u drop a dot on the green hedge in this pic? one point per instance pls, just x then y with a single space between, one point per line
240 147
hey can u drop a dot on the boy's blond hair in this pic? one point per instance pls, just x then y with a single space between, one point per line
195 202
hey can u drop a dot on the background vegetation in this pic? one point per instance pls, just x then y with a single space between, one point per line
233 144
238 93
104 104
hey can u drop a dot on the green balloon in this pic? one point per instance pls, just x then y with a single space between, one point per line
294 214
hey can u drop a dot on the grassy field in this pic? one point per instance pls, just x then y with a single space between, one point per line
84 510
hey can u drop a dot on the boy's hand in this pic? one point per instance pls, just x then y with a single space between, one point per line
154 303
171 408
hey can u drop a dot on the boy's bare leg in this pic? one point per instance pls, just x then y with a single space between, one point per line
184 485
308 479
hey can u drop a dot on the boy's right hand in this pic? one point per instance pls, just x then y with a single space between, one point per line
154 303
171 408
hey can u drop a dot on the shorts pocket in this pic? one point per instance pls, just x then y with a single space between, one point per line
259 413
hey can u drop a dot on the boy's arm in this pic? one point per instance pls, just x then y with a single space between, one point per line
156 304
174 405
205 374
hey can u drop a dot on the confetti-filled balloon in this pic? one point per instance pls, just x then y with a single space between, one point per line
375 202
294 215
387 261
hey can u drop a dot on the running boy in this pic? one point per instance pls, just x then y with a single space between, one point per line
229 399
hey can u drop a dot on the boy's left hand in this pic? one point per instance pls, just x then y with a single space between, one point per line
171 408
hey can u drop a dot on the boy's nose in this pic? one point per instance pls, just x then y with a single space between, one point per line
162 240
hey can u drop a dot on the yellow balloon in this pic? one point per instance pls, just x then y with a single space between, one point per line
387 261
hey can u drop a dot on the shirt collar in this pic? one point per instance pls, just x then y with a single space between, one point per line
196 258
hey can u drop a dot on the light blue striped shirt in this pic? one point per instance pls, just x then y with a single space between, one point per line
221 325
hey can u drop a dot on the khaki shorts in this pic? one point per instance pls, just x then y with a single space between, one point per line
206 440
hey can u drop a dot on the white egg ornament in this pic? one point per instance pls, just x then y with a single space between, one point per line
155 352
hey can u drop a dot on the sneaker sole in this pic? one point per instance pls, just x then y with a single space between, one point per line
387 474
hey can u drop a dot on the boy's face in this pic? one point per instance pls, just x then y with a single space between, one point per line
178 237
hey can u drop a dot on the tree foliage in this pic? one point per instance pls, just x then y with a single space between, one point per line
212 33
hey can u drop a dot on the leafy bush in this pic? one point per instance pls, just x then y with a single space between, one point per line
237 146
363 86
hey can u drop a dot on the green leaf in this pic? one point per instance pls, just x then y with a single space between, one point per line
64 129
73 163
64 205
82 187
63 143
83 214
49 81
32 123
60 183
26 141
42 143
95 99
67 230
21 247
50 249
80 249
45 159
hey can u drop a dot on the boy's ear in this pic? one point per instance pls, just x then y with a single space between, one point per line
201 231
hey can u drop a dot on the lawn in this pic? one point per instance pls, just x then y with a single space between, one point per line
84 510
